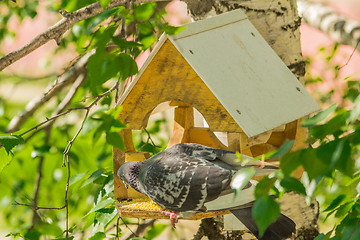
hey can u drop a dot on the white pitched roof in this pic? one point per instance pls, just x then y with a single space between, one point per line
243 72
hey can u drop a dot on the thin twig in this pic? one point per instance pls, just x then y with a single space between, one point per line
37 207
141 228
68 148
117 237
56 31
354 50
66 79
147 141
38 180
126 225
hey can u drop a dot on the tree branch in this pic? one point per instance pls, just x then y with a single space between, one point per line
56 31
340 28
69 77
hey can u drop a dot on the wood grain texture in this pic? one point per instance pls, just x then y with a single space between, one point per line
178 83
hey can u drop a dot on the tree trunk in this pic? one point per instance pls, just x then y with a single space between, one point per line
340 28
278 22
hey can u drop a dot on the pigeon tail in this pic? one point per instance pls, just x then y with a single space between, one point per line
281 229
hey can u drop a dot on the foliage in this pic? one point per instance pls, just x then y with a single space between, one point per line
331 166
33 161
35 165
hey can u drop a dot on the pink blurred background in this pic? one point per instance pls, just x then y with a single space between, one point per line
41 62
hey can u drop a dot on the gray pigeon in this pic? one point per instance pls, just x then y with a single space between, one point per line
189 178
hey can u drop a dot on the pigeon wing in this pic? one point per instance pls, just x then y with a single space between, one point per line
180 181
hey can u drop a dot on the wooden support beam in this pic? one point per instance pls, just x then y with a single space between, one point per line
183 121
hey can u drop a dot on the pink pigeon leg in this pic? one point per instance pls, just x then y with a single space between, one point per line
174 216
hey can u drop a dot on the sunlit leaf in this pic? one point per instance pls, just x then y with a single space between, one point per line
104 3
89 221
264 186
144 11
355 111
241 178
77 177
148 41
106 217
309 122
335 203
332 126
95 175
5 159
98 236
101 205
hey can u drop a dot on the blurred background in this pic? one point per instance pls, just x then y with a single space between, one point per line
332 76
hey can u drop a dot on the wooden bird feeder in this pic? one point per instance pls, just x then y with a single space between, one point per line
225 69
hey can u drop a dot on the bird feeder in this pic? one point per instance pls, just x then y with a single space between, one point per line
222 67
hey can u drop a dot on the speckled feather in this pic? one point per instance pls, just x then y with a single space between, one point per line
183 177
190 177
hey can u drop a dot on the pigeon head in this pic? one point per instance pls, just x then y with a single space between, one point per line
129 174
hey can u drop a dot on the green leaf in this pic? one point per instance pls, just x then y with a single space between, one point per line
290 162
155 231
104 3
89 221
285 148
102 66
144 11
293 184
263 187
341 158
323 236
98 236
9 142
148 41
171 30
265 211
320 237
105 217
332 126
355 111
126 65
310 122
77 177
241 178
344 209
314 163
335 203
101 205
115 140
352 230
50 229
124 44
145 28
95 175
5 159
91 124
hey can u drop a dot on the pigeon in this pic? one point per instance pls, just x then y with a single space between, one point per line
188 178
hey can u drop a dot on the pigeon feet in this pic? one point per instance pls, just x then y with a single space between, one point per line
174 217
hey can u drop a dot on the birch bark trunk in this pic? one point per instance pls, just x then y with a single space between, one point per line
278 22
